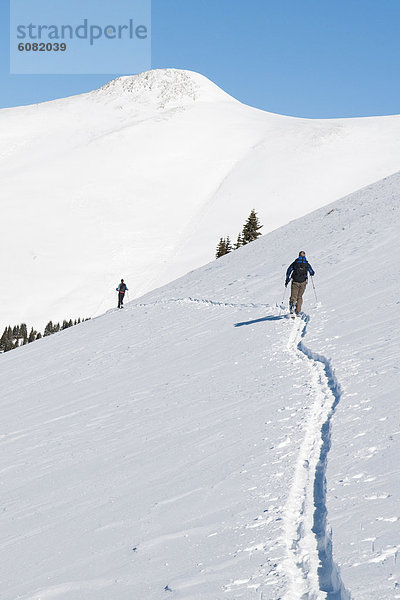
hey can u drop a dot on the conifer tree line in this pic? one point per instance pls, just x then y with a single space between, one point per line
18 335
249 233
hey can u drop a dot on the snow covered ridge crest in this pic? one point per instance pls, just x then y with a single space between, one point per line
164 88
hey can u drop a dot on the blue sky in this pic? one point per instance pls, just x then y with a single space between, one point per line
310 58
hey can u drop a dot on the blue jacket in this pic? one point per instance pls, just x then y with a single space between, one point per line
125 290
300 259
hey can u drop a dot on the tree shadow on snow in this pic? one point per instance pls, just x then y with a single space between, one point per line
271 318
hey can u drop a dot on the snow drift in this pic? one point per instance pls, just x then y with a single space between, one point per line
140 178
199 444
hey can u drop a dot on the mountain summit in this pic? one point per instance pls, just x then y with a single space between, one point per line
163 89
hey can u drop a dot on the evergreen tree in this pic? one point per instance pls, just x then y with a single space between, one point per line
39 336
32 336
9 345
251 229
48 330
3 341
221 248
7 340
23 333
239 242
224 247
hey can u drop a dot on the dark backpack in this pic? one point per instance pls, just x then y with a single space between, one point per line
300 271
122 288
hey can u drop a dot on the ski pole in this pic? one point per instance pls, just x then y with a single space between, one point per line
315 293
282 304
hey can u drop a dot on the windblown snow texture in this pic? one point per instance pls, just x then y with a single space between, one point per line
200 444
136 179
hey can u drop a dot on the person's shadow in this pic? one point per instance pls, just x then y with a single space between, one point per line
270 318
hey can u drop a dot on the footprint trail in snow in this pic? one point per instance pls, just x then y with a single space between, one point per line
312 572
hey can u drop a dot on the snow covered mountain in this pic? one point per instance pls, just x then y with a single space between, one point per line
140 178
180 448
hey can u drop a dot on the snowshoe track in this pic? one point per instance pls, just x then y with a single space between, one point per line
204 301
312 572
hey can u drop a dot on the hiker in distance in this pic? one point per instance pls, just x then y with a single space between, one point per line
121 289
298 272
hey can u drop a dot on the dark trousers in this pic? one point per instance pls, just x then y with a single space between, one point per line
121 299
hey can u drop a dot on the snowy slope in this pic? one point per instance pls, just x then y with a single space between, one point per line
140 179
178 448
